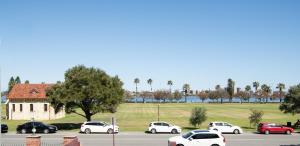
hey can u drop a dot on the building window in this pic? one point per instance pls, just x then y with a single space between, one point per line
14 107
21 107
31 107
45 107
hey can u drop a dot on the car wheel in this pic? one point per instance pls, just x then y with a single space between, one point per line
153 131
215 145
110 131
288 132
179 145
23 131
46 131
236 131
174 131
87 131
267 132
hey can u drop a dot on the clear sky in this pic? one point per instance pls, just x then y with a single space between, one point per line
201 42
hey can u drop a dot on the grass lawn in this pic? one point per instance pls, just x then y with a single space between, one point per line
137 116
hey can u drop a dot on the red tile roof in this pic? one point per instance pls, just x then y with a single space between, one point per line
29 91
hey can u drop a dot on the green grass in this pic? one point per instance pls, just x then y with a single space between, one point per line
136 117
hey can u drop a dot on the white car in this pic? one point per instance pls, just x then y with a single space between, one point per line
198 138
98 127
163 127
224 127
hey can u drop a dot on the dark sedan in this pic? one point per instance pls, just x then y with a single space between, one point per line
39 128
4 128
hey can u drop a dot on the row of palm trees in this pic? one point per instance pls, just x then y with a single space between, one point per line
261 93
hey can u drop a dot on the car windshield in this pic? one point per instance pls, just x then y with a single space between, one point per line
105 123
187 135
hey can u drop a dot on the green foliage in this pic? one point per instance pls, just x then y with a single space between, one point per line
230 88
11 83
150 81
198 116
291 103
177 95
18 80
89 89
255 117
26 82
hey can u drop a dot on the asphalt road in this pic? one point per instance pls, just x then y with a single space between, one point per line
142 139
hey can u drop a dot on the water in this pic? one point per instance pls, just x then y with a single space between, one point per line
195 99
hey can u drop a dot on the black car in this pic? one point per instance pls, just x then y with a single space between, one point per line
4 128
39 127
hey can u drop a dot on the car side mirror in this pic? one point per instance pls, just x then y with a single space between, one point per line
190 139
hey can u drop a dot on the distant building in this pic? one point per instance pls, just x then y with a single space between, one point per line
27 101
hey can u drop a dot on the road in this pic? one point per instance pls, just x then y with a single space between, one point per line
142 139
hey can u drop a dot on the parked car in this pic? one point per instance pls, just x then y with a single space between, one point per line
225 127
163 127
4 128
197 138
98 127
39 127
268 128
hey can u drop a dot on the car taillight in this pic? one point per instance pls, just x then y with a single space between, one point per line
171 143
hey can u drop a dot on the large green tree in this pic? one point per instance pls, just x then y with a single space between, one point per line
18 80
266 92
89 89
256 86
291 103
230 89
186 88
11 83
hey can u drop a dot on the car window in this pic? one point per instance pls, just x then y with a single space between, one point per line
91 124
101 124
165 124
219 124
157 124
187 135
205 136
226 124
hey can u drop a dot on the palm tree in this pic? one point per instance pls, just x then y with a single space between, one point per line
248 90
266 91
136 81
280 87
256 86
149 81
170 83
186 88
230 88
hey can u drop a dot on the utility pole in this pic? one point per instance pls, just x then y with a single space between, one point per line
113 123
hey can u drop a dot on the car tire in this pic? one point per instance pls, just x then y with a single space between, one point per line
179 145
267 132
153 131
23 131
174 131
288 132
110 131
236 131
87 131
215 145
46 131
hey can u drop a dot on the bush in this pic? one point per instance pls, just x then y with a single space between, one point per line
255 117
198 116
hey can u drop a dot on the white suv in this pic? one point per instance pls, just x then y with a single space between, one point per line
163 127
197 138
224 127
98 127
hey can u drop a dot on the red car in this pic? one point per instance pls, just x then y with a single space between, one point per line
268 128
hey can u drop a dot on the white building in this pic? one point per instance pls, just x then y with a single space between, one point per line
27 101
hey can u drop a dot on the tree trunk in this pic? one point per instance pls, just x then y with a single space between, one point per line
88 116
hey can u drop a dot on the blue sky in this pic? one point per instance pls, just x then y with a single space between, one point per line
202 43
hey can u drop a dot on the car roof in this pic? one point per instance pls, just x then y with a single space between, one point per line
94 122
204 131
160 122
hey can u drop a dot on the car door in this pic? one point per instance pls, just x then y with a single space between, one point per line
200 140
227 128
158 127
101 127
219 126
165 127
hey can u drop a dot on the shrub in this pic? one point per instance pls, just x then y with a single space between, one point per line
255 117
198 116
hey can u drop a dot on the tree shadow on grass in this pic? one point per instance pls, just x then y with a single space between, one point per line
190 128
67 126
